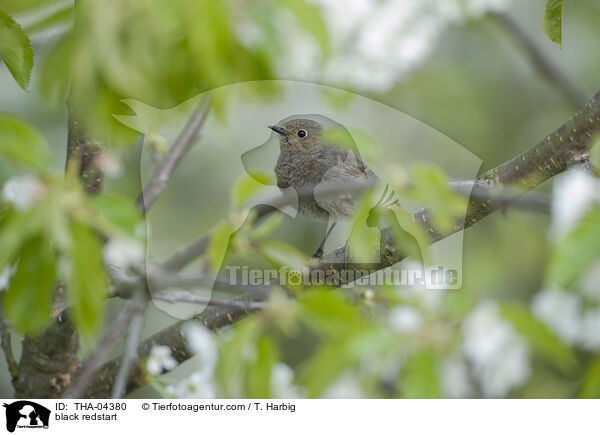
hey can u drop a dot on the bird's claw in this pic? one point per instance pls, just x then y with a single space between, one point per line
346 255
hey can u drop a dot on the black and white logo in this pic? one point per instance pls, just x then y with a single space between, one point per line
26 414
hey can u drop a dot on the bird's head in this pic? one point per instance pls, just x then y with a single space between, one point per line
298 134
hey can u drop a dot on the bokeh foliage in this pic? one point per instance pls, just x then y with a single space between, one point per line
164 52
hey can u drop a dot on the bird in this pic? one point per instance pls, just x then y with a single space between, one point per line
311 162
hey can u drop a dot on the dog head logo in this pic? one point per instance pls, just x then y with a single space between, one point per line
26 414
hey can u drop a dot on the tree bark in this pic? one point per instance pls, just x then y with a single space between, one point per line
569 145
50 360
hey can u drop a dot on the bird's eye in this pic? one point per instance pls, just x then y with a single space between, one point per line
302 133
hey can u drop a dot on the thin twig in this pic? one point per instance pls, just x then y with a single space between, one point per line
130 353
189 253
161 176
13 366
182 296
157 278
116 330
197 248
560 150
543 64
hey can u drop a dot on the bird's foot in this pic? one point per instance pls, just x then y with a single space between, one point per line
346 255
318 254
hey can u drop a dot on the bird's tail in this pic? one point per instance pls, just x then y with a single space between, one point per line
388 198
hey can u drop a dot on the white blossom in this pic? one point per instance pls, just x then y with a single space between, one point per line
203 345
428 299
23 191
505 372
160 359
560 311
347 386
282 382
110 165
455 378
590 330
499 356
200 384
573 194
123 252
589 283
405 320
373 43
196 386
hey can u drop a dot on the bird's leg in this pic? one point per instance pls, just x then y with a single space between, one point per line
346 254
320 252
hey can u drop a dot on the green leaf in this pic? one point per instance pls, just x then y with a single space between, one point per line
309 16
329 314
409 235
364 239
233 356
324 367
119 210
15 50
218 245
21 144
553 20
28 300
281 254
55 70
430 186
86 289
266 227
258 375
13 6
574 254
419 378
333 358
246 187
538 336
56 18
590 387
16 229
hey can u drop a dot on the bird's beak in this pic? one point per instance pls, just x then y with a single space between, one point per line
278 130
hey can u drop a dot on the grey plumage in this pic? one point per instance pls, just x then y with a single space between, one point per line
312 164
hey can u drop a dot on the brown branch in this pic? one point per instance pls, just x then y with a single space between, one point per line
111 336
213 317
13 366
541 62
183 296
189 253
133 341
50 360
565 147
181 258
161 176
83 150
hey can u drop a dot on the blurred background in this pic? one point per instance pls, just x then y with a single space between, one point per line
469 70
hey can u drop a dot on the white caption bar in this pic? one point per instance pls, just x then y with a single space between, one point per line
300 416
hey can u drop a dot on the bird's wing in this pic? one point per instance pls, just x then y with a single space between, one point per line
338 191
